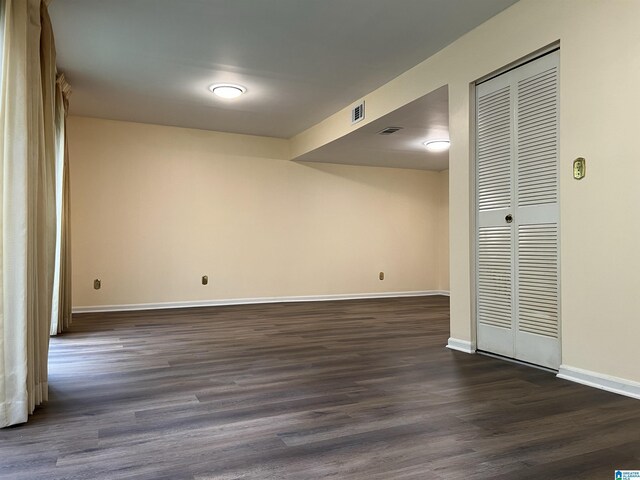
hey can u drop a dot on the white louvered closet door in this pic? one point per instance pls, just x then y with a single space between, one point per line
517 213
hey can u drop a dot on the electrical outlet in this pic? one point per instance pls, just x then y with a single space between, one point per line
97 284
381 276
205 280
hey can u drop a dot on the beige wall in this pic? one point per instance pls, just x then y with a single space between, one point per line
154 208
600 74
443 237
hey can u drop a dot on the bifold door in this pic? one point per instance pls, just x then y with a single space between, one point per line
517 255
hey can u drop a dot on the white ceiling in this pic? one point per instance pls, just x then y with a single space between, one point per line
424 119
301 60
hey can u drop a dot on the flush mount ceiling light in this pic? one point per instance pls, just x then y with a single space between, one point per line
437 145
227 90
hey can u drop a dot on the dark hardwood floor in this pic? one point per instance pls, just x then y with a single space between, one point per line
343 390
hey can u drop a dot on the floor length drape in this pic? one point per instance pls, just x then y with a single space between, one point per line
28 223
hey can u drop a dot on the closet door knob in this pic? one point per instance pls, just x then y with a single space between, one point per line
509 218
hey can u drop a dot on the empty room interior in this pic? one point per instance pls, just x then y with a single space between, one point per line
306 239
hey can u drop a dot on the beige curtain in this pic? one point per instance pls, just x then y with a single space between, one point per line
61 305
28 213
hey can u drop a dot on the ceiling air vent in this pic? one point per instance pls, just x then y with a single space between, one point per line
389 130
357 113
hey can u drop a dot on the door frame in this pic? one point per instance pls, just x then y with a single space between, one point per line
473 200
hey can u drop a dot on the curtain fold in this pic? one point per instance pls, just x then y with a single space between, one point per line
28 223
61 304
13 123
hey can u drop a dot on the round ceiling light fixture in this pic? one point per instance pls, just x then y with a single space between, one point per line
227 90
437 145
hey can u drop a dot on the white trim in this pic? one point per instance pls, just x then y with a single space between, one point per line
617 385
246 301
461 345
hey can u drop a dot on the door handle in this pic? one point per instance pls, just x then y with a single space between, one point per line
509 218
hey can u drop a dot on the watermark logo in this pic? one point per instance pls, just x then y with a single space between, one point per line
627 475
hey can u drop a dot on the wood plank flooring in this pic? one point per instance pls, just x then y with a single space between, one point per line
341 390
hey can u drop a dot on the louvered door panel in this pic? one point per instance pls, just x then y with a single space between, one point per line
537 139
494 276
494 177
537 286
538 279
494 150
517 179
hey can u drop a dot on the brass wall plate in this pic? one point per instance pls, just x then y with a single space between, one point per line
97 284
381 276
579 168
205 280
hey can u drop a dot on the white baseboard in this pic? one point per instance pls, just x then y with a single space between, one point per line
249 301
461 345
618 385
